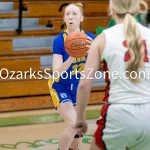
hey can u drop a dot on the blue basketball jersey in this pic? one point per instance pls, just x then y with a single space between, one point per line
70 76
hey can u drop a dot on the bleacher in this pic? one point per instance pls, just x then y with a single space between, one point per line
42 20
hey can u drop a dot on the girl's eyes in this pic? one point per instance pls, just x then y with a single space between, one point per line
74 13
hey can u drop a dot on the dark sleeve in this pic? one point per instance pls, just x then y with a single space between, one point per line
57 46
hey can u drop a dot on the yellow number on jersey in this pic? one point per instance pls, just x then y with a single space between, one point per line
78 67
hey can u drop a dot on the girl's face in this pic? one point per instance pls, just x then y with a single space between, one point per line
73 17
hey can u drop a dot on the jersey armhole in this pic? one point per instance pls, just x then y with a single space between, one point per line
105 48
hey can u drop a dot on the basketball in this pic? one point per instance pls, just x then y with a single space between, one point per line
75 44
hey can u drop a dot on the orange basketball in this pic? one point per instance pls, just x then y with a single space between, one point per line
75 44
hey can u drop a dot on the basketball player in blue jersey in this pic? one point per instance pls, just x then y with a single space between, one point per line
63 89
124 123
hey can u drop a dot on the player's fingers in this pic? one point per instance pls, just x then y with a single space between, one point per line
90 39
88 46
80 132
89 42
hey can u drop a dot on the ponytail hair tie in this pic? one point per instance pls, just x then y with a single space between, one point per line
128 13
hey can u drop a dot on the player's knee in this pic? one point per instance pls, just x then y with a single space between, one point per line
71 122
71 125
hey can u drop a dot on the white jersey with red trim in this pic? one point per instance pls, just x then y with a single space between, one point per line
116 55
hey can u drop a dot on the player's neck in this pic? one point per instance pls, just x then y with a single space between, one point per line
72 30
119 21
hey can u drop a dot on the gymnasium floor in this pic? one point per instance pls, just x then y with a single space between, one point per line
39 136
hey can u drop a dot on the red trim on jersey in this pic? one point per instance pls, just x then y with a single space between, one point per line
102 121
107 82
101 125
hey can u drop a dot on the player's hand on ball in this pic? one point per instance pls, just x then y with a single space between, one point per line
89 41
81 127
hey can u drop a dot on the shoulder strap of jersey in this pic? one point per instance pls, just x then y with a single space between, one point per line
82 30
64 35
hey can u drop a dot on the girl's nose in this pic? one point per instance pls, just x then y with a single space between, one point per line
70 16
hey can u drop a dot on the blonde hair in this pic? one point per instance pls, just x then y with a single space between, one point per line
79 5
127 9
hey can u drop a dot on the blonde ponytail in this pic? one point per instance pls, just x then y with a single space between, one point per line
127 9
135 46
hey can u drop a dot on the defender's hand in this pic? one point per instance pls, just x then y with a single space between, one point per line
89 41
81 127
